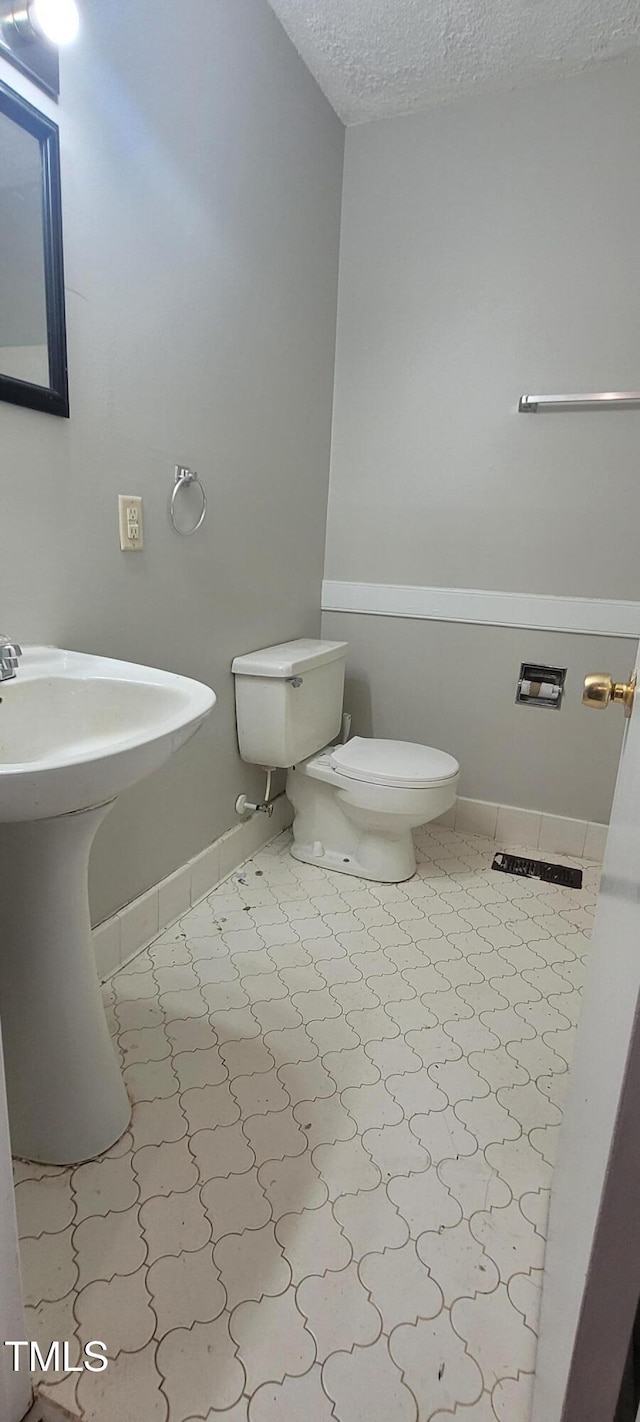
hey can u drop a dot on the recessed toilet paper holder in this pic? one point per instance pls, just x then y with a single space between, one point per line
540 686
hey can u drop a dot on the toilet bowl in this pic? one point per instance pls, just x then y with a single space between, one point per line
355 804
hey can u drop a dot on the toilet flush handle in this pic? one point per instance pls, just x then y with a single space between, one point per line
295 681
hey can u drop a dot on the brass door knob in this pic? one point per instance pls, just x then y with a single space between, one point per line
600 689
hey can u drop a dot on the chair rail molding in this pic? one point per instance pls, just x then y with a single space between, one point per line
601 617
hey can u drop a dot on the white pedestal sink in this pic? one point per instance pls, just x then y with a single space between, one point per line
75 730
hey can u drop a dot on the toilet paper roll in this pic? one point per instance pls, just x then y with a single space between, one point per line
546 690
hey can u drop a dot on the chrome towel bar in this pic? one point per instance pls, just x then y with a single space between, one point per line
609 399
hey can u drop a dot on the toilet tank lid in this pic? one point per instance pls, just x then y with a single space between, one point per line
289 658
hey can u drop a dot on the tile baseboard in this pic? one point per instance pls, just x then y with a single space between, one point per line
554 834
120 937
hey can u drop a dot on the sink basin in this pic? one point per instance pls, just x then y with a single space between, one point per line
75 730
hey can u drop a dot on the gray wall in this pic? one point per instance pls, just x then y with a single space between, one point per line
489 248
451 685
201 187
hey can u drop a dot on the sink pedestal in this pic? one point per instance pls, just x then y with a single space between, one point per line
67 1100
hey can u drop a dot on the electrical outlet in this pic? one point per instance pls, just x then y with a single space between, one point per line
130 522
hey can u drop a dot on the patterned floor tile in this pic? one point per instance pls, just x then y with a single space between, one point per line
251 1265
365 1385
371 1221
509 1240
495 1334
44 1206
49 1267
332 1200
128 1391
400 1286
346 1166
395 1150
337 1311
435 1364
41 1325
104 1186
154 1122
313 1241
443 1135
272 1339
106 1245
198 1365
119 1310
221 1152
511 1398
473 1184
292 1184
160 1169
236 1203
174 1224
424 1201
291 1401
184 1290
456 1262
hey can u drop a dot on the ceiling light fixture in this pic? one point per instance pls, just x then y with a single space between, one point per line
57 21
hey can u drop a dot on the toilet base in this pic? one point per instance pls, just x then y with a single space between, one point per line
386 862
359 828
332 830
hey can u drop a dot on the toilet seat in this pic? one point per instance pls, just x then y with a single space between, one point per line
401 764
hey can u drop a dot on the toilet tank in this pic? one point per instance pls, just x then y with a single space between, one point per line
289 700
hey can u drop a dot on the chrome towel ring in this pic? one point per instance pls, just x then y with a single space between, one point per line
184 478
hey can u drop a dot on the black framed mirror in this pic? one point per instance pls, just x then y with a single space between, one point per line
33 343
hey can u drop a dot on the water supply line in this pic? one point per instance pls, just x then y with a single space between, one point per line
265 807
262 807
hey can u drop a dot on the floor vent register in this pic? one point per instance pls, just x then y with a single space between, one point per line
562 874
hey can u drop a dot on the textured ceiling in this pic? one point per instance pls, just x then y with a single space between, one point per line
377 58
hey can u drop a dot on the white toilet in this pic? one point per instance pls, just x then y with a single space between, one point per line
355 804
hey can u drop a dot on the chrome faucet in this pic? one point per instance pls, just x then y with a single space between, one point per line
10 654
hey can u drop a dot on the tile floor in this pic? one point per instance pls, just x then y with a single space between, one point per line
331 1203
